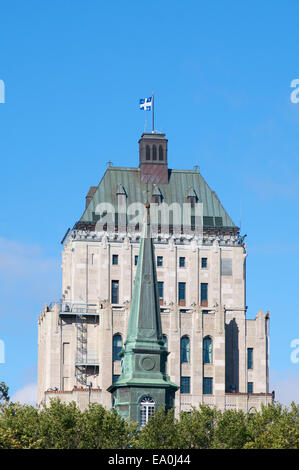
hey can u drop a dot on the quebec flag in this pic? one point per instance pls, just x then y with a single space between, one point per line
145 104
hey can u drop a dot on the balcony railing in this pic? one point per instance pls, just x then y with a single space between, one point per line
87 361
78 309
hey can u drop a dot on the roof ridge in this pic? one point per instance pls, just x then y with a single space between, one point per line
132 168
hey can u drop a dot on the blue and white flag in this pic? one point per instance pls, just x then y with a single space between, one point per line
145 104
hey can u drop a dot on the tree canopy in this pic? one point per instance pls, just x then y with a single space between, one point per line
64 426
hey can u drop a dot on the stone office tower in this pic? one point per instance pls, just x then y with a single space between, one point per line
216 355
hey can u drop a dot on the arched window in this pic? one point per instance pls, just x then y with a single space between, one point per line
147 152
207 350
147 409
154 152
185 349
160 153
117 347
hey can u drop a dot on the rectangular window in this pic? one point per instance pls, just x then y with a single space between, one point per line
204 294
192 222
250 387
159 260
115 378
182 293
117 347
204 262
185 384
218 221
182 262
136 260
114 292
208 385
161 290
208 221
250 358
114 259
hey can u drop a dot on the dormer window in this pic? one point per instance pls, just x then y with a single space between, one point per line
156 195
121 195
120 213
191 197
120 190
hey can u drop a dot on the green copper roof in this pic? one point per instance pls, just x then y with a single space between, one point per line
181 184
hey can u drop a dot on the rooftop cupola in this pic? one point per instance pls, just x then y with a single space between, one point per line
153 158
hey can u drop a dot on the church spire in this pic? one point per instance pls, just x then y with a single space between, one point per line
144 355
144 327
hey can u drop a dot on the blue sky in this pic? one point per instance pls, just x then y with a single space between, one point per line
74 72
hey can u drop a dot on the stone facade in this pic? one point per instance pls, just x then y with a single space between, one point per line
87 275
75 336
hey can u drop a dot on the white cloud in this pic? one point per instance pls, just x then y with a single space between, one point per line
286 386
26 395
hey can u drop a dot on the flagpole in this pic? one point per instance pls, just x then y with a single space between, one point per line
153 111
